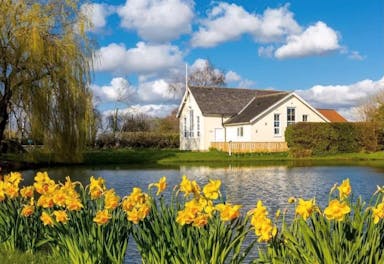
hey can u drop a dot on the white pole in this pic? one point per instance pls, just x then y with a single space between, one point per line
186 77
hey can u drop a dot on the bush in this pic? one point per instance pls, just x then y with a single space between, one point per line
330 138
138 140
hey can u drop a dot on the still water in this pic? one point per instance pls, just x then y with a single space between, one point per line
241 185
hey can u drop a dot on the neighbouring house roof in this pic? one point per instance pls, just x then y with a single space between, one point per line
332 115
259 104
230 101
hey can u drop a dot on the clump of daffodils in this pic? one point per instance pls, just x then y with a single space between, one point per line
265 230
201 207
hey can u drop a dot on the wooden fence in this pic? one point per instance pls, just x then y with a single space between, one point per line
246 147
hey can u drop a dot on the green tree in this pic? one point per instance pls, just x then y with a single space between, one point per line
45 62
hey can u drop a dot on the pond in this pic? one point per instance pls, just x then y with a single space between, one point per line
241 185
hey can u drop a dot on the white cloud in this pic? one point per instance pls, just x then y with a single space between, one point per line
232 76
97 14
155 110
276 23
156 91
355 55
342 97
118 90
143 59
236 80
157 20
229 21
266 51
315 40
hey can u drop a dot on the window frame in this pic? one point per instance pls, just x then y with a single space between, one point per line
291 115
276 124
240 131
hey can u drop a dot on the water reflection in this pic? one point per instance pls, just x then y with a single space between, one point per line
241 185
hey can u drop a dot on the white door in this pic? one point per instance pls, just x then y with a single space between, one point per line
219 134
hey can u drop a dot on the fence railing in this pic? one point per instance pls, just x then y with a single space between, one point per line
244 147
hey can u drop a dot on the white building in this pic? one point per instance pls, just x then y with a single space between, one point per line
211 114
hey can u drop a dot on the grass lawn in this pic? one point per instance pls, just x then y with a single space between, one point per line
171 157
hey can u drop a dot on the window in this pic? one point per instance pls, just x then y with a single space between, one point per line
198 126
191 125
290 115
240 131
276 124
305 118
185 127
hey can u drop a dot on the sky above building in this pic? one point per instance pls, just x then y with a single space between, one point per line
330 52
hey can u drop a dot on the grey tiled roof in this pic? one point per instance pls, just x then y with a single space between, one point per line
256 107
225 101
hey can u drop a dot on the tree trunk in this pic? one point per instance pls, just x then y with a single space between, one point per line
4 109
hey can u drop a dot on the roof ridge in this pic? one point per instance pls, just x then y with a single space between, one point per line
235 88
274 94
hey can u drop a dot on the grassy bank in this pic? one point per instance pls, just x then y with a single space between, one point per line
171 157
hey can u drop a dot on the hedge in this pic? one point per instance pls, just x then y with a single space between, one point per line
138 140
305 139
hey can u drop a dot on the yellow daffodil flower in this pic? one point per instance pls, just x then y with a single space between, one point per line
228 212
102 217
291 200
378 213
111 200
96 187
28 209
305 208
61 216
336 210
189 187
27 191
212 189
344 189
46 219
161 185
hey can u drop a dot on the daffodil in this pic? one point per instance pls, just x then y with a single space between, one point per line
305 208
27 191
73 204
14 178
111 200
11 190
161 185
96 187
61 216
259 213
102 217
336 210
212 189
228 212
201 220
28 209
378 213
189 187
344 189
46 219
265 230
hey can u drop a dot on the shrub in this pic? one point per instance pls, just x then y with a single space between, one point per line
138 140
326 138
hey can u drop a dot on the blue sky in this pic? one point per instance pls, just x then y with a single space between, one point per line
329 52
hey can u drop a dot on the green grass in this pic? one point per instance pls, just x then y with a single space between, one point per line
16 257
172 157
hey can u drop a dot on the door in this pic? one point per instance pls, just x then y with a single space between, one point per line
219 134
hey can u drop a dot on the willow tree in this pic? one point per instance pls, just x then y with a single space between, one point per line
45 62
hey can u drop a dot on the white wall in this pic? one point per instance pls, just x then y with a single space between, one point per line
190 142
262 130
233 136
